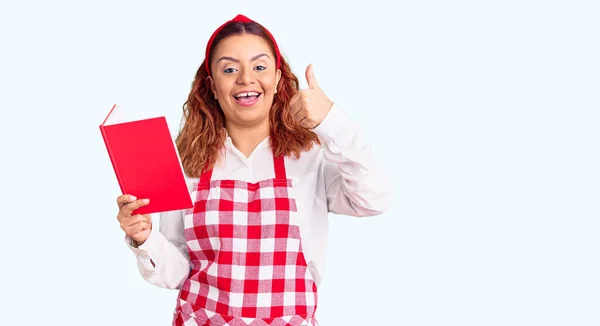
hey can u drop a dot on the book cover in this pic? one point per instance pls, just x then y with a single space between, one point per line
146 163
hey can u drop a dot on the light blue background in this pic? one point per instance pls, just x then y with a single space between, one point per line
485 115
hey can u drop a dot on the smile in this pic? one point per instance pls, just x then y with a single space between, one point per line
247 98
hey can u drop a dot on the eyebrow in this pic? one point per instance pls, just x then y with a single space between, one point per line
254 58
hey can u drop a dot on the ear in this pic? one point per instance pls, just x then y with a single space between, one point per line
212 86
277 79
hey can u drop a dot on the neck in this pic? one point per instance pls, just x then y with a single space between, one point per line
246 138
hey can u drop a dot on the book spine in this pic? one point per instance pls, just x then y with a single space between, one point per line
112 158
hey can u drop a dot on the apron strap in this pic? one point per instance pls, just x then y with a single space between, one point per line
279 168
205 176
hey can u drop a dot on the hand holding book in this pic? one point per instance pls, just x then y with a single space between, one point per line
137 227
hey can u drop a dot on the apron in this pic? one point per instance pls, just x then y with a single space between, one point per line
247 264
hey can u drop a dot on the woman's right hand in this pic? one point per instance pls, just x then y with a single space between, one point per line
137 227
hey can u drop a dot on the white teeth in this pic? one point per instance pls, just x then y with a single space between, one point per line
247 94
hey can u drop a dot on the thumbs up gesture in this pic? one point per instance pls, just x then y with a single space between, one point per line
310 106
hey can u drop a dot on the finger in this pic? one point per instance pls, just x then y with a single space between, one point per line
125 199
129 208
301 115
137 228
297 108
307 123
127 222
138 235
305 119
139 221
301 103
310 77
295 99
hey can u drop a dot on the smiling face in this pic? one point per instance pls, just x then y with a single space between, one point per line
244 78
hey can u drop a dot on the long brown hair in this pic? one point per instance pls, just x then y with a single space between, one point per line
201 139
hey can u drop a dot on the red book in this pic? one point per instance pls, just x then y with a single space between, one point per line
146 163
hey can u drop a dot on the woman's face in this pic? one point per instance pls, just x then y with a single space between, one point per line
244 79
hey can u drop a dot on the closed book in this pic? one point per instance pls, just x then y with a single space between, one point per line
146 163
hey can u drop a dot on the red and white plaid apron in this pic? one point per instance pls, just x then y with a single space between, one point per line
247 262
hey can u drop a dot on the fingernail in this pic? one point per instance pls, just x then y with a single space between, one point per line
132 198
145 201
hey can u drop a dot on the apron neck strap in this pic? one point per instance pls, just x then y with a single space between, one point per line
279 168
205 176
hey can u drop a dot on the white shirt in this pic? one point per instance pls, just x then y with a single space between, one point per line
339 176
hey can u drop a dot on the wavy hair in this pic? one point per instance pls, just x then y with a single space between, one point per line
202 136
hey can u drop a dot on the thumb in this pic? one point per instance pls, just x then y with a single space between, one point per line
310 77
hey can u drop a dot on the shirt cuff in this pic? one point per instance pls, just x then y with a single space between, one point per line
149 248
329 129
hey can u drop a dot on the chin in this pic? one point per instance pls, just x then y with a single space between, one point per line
251 116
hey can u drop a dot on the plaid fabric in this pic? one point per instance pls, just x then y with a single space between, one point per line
204 317
247 262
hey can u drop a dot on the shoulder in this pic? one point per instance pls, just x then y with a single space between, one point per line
308 156
309 162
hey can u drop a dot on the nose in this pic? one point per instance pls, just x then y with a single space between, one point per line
246 77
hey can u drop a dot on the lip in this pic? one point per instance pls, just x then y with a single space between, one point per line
250 103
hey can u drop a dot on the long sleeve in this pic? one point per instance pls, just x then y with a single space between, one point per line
163 259
354 183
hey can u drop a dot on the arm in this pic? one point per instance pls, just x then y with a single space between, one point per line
354 183
163 259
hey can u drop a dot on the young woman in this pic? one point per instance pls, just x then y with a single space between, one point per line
266 163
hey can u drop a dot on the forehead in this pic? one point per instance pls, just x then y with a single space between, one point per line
242 46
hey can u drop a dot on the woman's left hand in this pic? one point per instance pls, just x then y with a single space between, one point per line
310 106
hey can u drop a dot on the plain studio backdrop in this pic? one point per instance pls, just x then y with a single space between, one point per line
484 114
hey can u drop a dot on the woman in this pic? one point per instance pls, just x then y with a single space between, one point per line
266 163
